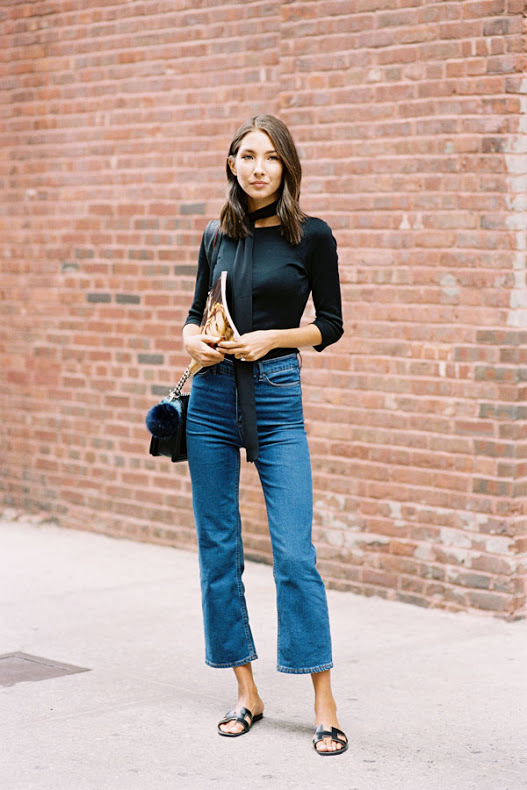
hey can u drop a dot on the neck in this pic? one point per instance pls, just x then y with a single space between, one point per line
269 222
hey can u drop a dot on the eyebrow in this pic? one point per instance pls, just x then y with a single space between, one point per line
252 151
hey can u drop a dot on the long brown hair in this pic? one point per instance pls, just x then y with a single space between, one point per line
233 215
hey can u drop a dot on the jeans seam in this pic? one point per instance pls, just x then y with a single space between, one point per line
252 657
239 548
305 671
277 616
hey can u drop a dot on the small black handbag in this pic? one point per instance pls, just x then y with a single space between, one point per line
167 422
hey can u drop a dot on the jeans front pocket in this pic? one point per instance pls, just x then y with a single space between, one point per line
282 378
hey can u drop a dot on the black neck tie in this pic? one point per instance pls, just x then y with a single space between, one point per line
242 308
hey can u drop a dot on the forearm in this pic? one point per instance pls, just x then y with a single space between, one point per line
300 337
255 345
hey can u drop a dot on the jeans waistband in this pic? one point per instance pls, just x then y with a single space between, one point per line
288 361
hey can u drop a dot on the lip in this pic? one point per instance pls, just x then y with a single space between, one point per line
258 183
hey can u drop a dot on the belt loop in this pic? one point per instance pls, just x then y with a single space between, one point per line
299 357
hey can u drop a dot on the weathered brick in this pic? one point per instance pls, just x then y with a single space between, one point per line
98 297
497 27
494 449
491 487
501 411
150 359
493 602
185 270
472 580
192 208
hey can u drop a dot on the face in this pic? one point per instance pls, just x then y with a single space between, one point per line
258 169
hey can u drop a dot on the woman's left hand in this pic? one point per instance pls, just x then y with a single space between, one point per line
249 347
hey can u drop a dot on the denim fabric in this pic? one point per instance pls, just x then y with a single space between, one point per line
213 443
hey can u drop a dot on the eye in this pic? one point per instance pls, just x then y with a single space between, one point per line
246 156
275 157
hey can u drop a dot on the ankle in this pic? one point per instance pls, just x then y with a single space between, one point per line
247 690
325 706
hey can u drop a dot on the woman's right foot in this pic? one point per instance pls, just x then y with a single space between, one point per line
252 702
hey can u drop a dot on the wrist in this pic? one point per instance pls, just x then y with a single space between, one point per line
188 343
189 331
275 338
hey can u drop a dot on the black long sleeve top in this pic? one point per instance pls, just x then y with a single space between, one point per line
283 277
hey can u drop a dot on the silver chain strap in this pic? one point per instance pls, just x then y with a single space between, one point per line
176 392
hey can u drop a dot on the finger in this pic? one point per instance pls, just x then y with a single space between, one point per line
230 343
210 350
210 339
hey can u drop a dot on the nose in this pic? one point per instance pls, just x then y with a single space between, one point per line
258 167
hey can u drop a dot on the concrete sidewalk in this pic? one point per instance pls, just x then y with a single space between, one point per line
428 699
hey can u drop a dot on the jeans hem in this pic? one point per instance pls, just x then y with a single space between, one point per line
250 658
309 670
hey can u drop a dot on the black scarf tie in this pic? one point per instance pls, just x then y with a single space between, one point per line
242 308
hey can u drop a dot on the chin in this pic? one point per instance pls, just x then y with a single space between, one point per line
262 197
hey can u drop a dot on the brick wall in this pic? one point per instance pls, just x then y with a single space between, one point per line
411 121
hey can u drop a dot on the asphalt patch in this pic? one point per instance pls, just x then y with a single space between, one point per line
21 667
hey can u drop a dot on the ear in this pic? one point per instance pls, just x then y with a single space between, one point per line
231 161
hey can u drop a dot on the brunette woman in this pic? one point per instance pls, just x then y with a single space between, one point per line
248 395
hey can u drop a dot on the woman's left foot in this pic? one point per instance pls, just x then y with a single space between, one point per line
331 739
326 722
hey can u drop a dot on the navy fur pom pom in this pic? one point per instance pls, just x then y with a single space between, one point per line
164 419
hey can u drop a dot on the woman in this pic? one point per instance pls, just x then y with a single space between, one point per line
248 395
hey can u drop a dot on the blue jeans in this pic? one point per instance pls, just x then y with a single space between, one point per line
213 442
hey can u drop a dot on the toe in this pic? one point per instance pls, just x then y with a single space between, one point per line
231 727
328 745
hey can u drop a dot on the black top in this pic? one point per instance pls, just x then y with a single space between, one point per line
284 274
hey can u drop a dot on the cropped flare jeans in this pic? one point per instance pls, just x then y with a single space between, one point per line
214 442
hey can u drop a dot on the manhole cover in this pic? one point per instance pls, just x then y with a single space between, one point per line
21 667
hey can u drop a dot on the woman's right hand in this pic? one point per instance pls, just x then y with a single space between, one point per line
202 349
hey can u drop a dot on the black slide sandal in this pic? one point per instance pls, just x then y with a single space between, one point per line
334 733
241 718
